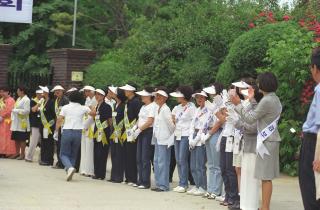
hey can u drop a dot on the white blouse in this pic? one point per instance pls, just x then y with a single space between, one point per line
163 127
20 115
73 114
147 111
183 116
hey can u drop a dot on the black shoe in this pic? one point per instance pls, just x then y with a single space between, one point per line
113 181
157 190
41 163
235 206
98 178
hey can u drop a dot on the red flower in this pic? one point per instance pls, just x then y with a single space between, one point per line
286 18
302 23
252 25
270 14
262 14
317 39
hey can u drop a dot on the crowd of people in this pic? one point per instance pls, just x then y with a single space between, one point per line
217 136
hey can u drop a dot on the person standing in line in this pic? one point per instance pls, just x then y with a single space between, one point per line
7 145
87 144
20 125
200 126
214 178
144 133
163 138
182 115
131 113
102 133
116 143
47 116
266 114
35 123
60 101
72 117
228 172
309 163
249 185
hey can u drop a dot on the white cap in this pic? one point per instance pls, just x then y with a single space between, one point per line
128 87
39 91
241 84
161 92
177 94
100 92
72 89
113 89
202 93
210 90
245 92
143 93
57 87
44 89
87 87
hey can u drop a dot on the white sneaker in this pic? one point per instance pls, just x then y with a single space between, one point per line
135 185
70 173
220 198
180 189
212 196
130 183
141 187
206 195
175 189
192 190
199 192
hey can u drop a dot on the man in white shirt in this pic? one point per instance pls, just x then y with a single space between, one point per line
163 130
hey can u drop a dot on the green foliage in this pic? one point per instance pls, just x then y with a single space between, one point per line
290 146
288 58
183 44
248 51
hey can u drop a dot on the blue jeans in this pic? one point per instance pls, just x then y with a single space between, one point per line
198 166
182 153
214 184
162 155
144 157
70 145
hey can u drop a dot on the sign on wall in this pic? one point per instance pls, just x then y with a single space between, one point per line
16 11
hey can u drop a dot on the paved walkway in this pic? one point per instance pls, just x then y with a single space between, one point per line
32 187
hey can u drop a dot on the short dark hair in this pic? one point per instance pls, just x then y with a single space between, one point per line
315 57
121 96
267 82
150 90
5 88
23 89
76 97
162 88
186 91
219 87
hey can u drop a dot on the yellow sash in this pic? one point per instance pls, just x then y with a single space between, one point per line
44 120
100 135
127 124
22 117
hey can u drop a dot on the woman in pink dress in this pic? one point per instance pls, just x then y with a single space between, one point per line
7 146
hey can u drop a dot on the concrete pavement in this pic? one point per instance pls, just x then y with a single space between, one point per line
28 186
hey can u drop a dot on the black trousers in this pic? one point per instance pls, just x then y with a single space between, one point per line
173 164
144 157
58 145
130 161
306 173
118 161
100 159
228 173
47 150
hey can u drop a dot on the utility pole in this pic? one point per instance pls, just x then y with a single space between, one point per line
74 23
